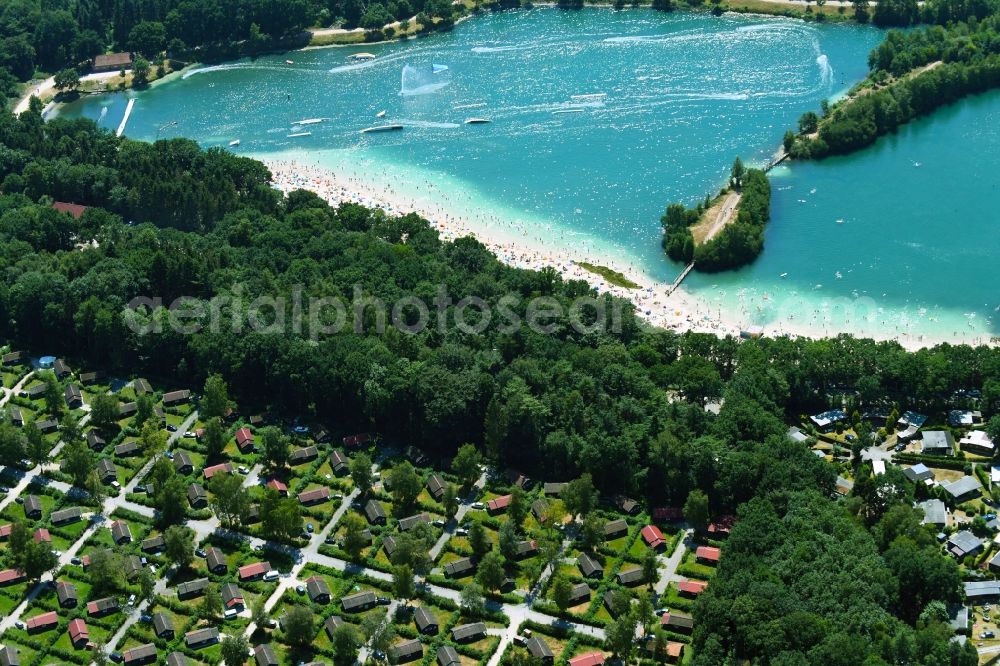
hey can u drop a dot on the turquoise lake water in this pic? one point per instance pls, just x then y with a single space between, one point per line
683 94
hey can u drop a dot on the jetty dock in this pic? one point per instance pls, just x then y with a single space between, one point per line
128 112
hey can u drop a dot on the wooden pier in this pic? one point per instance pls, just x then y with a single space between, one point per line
128 112
680 278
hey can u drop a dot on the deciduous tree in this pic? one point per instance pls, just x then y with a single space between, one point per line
298 626
466 463
490 573
361 473
179 545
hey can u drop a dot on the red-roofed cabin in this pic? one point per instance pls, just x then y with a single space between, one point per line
354 441
79 635
244 439
255 570
589 659
314 496
224 468
42 622
668 514
498 504
5 531
721 526
42 534
11 576
76 210
691 588
676 622
275 484
675 651
707 554
653 537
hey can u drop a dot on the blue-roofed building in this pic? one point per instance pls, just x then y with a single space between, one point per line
911 419
935 512
828 419
964 489
919 473
964 543
938 443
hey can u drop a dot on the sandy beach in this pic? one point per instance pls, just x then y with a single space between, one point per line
512 245
519 244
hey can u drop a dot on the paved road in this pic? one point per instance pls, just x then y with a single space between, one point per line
47 88
668 567
463 508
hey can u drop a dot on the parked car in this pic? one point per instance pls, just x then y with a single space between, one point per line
309 528
330 541
479 506
461 531
145 618
19 625
301 589
242 469
116 657
131 600
140 488
76 560
437 523
169 455
171 428
201 553
384 601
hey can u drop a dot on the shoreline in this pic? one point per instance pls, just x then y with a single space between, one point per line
681 311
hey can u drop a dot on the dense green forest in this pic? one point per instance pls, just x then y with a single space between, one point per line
739 242
805 579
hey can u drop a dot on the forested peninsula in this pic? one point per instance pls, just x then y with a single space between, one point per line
912 74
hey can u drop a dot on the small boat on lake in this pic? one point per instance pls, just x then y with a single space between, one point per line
477 121
590 96
234 142
567 111
289 62
381 128
298 134
362 56
380 114
309 121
